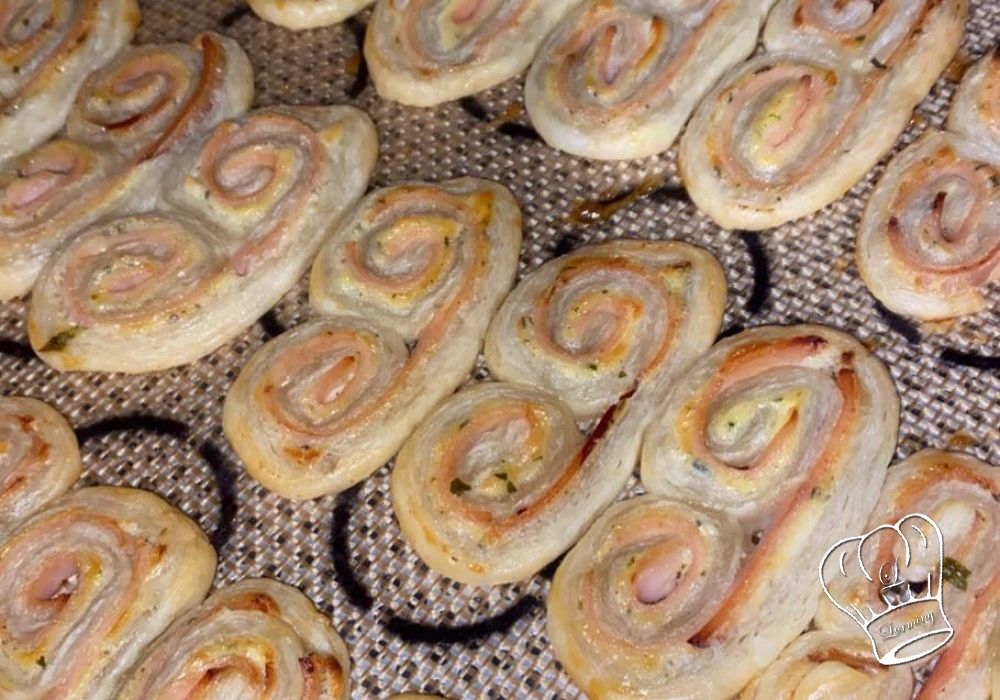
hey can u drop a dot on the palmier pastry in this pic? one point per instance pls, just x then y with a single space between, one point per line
46 49
239 222
87 582
789 431
929 241
410 282
424 52
254 639
794 128
39 458
590 325
130 120
617 79
500 480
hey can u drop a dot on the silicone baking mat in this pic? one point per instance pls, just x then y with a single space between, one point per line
408 628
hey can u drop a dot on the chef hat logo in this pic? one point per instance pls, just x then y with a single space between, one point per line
899 570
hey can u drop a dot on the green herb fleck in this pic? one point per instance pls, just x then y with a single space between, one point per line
622 374
60 340
954 573
511 488
41 661
592 365
699 466
458 487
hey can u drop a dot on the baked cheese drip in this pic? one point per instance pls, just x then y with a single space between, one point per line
929 241
408 284
617 79
257 638
39 458
424 52
591 325
961 494
87 583
791 130
46 49
237 224
788 429
307 14
643 580
130 120
828 665
500 480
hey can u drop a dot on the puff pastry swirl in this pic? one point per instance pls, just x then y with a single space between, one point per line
257 638
961 494
590 325
238 224
39 457
46 49
645 577
500 480
617 79
929 240
409 283
87 582
794 128
424 52
827 664
129 121
789 430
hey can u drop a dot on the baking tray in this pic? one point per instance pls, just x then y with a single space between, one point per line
408 628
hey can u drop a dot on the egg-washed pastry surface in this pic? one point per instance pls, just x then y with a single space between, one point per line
794 128
407 286
39 458
130 121
424 52
236 225
307 14
786 431
46 49
256 638
929 242
500 480
617 79
87 582
831 664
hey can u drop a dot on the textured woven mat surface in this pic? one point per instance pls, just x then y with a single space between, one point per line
407 628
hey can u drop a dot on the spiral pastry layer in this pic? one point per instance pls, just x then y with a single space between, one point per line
254 639
961 494
39 458
424 52
789 430
644 578
46 49
411 280
130 121
830 665
617 79
591 325
307 14
87 582
793 129
929 240
240 221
